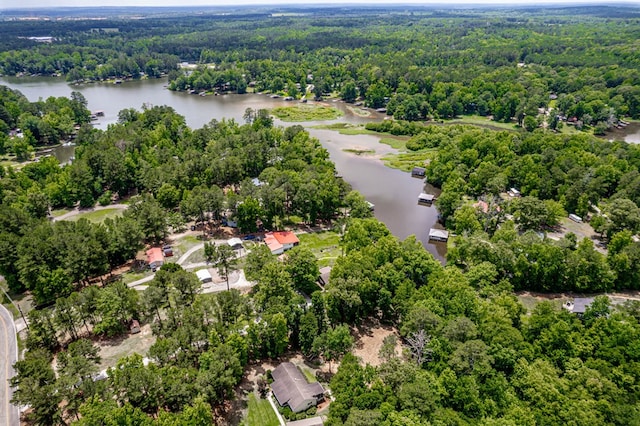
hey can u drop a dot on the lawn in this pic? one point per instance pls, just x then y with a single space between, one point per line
479 120
98 216
59 212
311 378
300 113
324 245
260 413
129 277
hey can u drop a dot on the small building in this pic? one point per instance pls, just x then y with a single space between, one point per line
155 259
575 218
325 273
280 241
418 172
204 276
292 390
426 198
579 305
438 235
235 243
134 328
513 192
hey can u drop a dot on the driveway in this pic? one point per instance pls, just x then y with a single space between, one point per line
9 413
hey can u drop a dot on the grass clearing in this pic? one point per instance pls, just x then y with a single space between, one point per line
111 350
311 378
479 120
396 142
408 160
260 413
59 212
324 245
530 301
98 216
129 277
360 151
301 113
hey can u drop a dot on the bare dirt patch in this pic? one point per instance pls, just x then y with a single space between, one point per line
369 339
111 350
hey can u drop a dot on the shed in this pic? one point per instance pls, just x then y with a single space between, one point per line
292 389
134 327
155 259
418 172
235 243
426 198
438 235
325 273
204 276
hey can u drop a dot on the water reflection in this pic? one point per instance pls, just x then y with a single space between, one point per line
394 193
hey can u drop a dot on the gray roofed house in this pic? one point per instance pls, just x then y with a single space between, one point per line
292 389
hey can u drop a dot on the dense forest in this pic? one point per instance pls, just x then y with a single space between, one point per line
582 65
470 352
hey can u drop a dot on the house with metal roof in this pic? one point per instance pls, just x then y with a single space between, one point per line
292 390
279 241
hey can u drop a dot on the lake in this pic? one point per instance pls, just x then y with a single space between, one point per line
394 193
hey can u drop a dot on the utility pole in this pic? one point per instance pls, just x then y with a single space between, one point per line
17 306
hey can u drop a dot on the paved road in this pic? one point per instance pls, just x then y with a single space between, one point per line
9 414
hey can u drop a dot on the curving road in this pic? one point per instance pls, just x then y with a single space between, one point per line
9 413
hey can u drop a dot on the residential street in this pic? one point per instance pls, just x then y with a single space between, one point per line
9 414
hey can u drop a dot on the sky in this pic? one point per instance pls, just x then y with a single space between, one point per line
6 4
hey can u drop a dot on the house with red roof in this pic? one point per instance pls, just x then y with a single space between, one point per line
155 258
280 241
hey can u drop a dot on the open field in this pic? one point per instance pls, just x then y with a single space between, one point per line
300 113
479 120
324 245
260 413
98 216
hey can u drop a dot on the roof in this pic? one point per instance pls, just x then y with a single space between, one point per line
286 237
233 242
325 273
438 233
154 255
291 388
271 242
580 304
203 274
